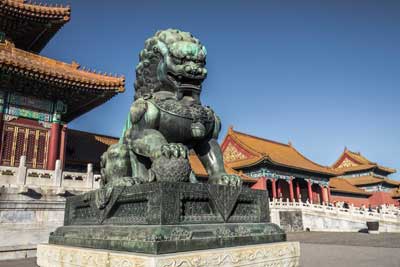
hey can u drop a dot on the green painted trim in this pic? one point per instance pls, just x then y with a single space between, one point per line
56 118
30 114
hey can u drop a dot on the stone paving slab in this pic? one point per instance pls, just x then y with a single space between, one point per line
385 240
30 262
322 255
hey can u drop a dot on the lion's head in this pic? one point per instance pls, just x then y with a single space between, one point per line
174 61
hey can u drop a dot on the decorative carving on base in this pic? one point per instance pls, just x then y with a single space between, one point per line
169 203
264 255
168 217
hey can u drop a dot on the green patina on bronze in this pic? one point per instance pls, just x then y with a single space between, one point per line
148 201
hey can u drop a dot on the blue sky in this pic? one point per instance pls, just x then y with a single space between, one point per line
322 74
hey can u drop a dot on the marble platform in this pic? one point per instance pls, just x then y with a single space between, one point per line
285 254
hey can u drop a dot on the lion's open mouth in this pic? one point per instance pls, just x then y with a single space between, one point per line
182 81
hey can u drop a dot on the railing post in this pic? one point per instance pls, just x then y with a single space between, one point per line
21 173
89 176
57 174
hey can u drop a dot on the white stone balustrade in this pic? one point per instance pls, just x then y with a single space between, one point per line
26 178
317 217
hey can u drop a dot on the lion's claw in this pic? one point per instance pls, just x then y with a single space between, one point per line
175 150
228 179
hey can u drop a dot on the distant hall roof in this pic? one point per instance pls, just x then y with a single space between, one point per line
371 179
350 162
259 149
344 186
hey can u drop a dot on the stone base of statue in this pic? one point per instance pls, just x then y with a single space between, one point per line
263 255
167 217
173 224
161 239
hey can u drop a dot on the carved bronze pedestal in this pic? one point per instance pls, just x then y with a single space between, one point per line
166 217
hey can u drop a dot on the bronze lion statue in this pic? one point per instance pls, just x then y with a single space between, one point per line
167 119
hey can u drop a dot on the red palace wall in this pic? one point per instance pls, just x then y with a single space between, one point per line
377 198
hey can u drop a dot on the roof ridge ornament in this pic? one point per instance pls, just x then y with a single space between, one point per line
75 64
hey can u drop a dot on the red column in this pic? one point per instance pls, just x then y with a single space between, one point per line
298 190
53 145
309 191
274 188
329 194
323 193
291 194
279 189
265 183
63 144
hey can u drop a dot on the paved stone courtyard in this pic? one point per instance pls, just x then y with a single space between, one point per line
326 249
348 249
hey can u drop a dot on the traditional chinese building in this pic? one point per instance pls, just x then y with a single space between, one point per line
364 177
287 174
39 95
277 167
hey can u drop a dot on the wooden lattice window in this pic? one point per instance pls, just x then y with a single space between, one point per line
7 144
30 150
42 147
19 140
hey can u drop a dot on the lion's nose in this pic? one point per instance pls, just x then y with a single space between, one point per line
192 69
202 71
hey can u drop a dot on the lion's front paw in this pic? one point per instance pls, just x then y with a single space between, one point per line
227 179
175 150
